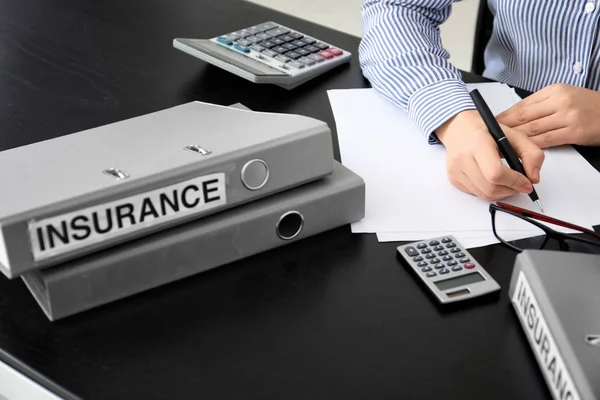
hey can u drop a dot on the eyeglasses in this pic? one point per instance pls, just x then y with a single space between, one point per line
511 225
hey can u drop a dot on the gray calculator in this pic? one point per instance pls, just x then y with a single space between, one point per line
447 269
267 53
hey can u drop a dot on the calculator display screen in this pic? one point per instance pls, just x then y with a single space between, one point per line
460 281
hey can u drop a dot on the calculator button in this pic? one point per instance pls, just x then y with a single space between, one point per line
451 245
325 54
286 38
243 33
266 26
243 42
289 46
459 255
444 271
293 55
278 31
438 248
411 251
469 265
447 258
264 36
257 47
253 30
269 53
455 250
431 274
280 49
302 52
312 48
309 40
308 61
336 52
451 263
421 246
234 35
426 269
254 39
442 253
228 40
456 268
440 266
296 35
415 259
322 46
422 264
277 41
299 43
465 260
267 44
434 261
425 251
282 58
446 240
241 48
430 256
434 243
317 58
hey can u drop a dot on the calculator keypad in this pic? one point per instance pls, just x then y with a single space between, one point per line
437 258
280 43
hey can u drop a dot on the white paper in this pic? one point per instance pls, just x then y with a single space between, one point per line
467 239
408 195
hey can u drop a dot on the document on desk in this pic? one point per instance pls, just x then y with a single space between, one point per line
408 194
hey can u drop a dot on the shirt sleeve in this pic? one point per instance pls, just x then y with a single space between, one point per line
402 55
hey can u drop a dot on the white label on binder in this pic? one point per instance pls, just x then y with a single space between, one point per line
63 233
3 255
541 341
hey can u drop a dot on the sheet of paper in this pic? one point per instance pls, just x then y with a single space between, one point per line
407 187
468 239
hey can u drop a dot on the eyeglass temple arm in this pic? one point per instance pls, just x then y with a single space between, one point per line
545 218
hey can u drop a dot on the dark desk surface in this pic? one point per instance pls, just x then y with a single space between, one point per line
332 316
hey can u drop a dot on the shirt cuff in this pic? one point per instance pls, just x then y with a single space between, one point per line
436 103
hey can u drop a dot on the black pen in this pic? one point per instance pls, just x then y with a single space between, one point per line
503 144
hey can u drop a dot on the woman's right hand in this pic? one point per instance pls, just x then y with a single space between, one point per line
474 164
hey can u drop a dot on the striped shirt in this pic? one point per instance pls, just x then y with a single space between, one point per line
534 43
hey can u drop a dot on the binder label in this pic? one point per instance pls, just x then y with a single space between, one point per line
3 255
540 338
64 233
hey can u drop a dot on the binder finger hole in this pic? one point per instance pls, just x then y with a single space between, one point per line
255 174
290 225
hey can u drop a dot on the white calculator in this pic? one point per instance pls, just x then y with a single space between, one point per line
447 269
267 53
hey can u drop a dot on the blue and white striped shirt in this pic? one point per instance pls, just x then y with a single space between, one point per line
534 43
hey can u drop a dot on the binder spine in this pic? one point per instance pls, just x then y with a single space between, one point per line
291 161
542 340
202 245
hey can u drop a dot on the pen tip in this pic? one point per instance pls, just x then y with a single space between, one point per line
539 204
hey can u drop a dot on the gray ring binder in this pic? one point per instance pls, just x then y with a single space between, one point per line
41 227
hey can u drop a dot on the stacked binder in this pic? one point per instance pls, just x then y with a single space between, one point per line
99 215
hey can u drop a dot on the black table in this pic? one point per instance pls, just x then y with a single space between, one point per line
332 316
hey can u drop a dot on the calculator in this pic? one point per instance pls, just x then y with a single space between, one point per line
267 53
447 269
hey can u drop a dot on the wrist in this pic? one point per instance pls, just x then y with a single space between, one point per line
463 123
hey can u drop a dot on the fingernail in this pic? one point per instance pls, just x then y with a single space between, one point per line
527 187
536 174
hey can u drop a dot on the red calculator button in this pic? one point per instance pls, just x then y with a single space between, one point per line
325 54
335 52
469 265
